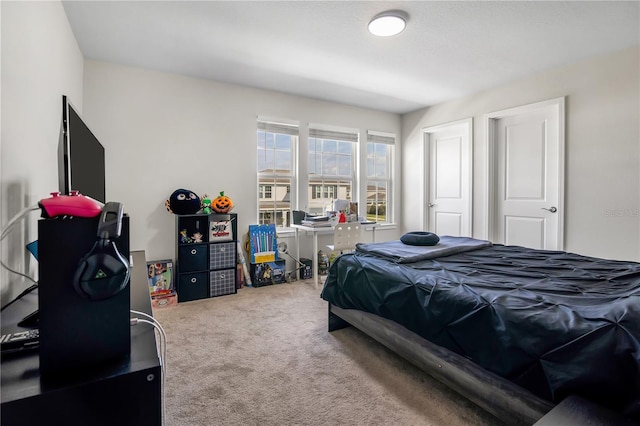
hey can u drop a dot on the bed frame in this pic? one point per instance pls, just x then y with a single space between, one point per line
502 398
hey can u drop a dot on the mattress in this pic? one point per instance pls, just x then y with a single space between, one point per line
555 323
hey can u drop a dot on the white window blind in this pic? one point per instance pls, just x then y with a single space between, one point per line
379 137
333 135
282 128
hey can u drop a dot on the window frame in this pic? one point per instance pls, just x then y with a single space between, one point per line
330 184
280 215
371 178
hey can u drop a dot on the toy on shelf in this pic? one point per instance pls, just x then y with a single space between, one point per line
222 203
184 238
183 201
205 202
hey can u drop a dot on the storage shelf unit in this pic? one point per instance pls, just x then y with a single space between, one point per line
206 255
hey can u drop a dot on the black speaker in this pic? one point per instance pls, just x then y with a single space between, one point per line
306 272
84 325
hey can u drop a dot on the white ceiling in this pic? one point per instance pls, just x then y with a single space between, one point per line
322 50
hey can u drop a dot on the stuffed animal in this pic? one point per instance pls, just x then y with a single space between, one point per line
222 203
206 204
184 238
183 201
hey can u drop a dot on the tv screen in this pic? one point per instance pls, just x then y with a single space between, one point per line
81 162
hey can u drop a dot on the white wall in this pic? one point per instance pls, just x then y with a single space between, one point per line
162 132
602 196
40 62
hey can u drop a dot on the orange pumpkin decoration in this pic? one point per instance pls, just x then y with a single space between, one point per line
222 203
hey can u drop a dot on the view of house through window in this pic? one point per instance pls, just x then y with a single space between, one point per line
331 172
276 148
379 161
331 167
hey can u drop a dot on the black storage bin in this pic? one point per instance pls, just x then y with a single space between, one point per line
193 286
193 257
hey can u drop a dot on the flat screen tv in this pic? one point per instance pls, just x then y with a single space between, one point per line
81 162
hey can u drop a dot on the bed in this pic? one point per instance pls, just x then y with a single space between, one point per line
514 329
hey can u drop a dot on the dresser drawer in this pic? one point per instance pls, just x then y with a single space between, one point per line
193 286
193 258
222 255
222 282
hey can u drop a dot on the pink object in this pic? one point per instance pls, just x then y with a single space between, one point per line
74 204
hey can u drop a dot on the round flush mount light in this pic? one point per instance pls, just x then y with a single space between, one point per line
388 23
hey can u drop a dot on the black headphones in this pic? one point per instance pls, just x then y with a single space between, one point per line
103 272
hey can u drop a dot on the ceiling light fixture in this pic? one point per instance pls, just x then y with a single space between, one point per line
388 23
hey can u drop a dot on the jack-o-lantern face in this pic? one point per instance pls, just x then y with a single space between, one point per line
222 203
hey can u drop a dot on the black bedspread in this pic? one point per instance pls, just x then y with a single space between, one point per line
555 323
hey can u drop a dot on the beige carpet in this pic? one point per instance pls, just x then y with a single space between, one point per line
264 357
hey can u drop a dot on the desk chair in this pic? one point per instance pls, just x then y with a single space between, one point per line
345 236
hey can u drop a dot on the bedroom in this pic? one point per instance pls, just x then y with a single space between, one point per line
41 60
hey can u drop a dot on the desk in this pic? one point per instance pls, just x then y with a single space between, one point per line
321 230
128 393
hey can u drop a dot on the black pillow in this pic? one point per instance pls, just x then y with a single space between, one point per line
420 238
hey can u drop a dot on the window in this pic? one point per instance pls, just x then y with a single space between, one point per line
265 191
331 167
379 173
277 144
324 192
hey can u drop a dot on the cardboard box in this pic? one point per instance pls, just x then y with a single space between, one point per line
268 273
164 300
160 276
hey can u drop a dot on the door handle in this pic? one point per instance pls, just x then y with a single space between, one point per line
551 209
431 205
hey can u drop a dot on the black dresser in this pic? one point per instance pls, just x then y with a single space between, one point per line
124 393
